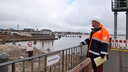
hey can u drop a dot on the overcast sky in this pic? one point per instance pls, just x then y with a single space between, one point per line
58 15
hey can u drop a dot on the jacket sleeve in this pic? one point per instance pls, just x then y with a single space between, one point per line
104 43
86 41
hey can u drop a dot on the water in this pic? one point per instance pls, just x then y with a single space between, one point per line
119 37
53 45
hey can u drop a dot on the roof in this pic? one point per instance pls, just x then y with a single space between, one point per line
46 30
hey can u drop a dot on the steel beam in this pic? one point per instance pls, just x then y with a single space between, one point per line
115 25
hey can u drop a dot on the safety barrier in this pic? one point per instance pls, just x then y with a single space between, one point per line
118 56
120 44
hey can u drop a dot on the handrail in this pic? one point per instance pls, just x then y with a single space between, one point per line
83 65
65 63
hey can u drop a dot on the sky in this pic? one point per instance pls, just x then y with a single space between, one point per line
59 15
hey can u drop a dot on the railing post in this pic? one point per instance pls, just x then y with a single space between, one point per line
45 69
71 59
39 65
3 58
23 66
32 64
81 53
63 61
13 67
66 61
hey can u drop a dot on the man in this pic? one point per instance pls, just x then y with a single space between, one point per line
97 43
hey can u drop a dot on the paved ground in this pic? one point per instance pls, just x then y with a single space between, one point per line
118 62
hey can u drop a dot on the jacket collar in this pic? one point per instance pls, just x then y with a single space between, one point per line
100 26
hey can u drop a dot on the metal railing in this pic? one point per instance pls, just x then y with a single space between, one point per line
58 61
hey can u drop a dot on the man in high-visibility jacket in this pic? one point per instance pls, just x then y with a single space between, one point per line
97 41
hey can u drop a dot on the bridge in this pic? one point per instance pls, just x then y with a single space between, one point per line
70 60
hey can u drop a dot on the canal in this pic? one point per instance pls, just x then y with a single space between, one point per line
54 45
59 44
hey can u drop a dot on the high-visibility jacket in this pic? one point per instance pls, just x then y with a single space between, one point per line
97 41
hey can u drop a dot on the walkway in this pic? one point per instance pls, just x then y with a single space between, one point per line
118 61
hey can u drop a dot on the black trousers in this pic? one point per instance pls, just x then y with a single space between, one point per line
30 53
97 69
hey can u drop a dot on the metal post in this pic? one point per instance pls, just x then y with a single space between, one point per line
71 59
115 25
81 53
13 67
66 61
23 66
4 58
126 24
63 61
45 69
39 64
32 70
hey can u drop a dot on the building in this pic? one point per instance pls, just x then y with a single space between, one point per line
43 34
46 31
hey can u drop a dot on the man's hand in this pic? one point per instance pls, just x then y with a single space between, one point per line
102 56
81 44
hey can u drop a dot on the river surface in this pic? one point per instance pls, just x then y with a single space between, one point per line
54 45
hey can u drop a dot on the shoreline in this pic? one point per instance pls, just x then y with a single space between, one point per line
15 52
16 38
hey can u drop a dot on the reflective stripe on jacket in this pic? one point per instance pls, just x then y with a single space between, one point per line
98 42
